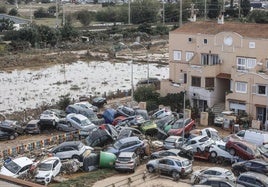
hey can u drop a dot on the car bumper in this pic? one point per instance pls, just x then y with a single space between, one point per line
124 167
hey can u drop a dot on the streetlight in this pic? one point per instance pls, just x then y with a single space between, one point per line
147 57
131 67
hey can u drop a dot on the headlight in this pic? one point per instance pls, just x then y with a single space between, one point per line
47 175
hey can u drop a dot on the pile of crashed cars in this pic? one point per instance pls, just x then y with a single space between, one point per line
123 137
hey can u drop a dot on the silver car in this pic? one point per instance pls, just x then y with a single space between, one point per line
171 165
127 161
72 149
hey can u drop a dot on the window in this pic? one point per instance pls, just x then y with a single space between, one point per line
205 41
196 81
185 78
251 45
245 63
241 87
209 82
261 90
209 59
189 39
177 55
189 56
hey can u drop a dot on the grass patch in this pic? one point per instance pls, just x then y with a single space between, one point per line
87 179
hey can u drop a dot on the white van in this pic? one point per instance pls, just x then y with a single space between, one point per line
254 136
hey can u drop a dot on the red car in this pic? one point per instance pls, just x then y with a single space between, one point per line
243 149
177 128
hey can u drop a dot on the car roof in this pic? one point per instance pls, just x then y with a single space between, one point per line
259 161
176 158
79 116
126 154
218 169
199 137
174 150
22 161
174 137
50 160
69 143
128 139
34 121
254 174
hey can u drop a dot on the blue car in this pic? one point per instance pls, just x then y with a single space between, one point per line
129 144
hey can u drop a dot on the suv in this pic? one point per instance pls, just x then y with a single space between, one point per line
72 149
171 165
127 161
217 182
51 117
255 165
252 179
129 144
17 167
242 149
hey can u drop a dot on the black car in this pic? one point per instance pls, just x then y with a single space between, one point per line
99 101
99 138
8 135
254 165
12 125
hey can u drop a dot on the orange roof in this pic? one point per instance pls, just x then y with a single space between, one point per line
251 30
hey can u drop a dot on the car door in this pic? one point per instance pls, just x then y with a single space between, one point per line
24 170
162 166
208 173
66 152
56 167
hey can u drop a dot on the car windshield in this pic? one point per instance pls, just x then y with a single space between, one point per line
12 167
263 149
177 125
85 122
117 144
80 146
31 125
45 167
204 139
47 112
171 140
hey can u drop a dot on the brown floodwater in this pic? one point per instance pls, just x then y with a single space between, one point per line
30 88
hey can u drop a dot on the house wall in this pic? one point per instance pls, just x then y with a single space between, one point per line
227 51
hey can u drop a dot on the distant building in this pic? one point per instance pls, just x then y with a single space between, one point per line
18 22
223 63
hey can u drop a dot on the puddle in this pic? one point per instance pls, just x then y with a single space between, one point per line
21 89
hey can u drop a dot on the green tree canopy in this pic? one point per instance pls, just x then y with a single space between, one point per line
258 16
13 12
85 17
213 9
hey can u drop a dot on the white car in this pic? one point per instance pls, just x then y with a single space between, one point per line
199 143
161 113
47 170
51 117
218 150
16 167
218 172
173 142
87 105
80 122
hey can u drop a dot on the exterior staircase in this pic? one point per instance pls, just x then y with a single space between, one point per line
218 108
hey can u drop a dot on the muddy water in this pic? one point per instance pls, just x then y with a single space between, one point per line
30 88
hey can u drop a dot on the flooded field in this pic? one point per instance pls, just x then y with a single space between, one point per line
30 88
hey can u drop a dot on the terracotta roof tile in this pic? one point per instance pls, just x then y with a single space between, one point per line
251 30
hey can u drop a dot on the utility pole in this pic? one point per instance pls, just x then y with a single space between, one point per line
180 13
205 13
57 14
129 12
163 12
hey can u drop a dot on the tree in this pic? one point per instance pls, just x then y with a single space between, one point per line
6 24
214 10
68 32
41 13
85 17
144 11
258 16
245 7
3 9
13 12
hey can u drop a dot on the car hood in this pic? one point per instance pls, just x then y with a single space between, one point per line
43 173
6 172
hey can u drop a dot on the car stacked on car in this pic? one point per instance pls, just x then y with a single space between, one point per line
124 138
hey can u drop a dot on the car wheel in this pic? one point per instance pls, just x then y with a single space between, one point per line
76 157
196 180
213 154
232 151
12 137
150 169
175 175
236 172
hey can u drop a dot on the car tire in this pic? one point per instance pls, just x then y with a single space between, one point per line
175 175
76 157
11 137
213 154
196 180
236 172
232 151
150 169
